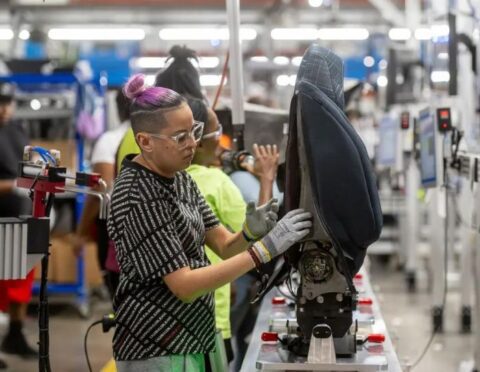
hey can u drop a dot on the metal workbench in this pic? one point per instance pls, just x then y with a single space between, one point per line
263 356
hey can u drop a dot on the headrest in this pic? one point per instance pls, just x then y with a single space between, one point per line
323 69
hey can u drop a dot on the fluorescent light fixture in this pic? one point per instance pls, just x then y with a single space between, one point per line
369 61
382 64
423 33
160 62
120 34
24 35
206 62
399 34
259 59
150 80
382 81
293 79
149 62
204 33
443 55
35 104
283 80
294 34
281 60
343 34
6 34
440 76
296 61
286 80
210 80
315 3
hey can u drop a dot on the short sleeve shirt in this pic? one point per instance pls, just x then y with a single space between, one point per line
158 225
12 141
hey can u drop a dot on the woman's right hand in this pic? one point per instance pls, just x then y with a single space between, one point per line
292 228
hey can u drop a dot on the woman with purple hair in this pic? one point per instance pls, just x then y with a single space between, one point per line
160 223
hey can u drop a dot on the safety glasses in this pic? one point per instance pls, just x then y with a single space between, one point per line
217 134
182 138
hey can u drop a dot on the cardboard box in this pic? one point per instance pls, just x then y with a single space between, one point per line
62 267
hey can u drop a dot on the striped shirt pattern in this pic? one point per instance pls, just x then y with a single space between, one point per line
158 226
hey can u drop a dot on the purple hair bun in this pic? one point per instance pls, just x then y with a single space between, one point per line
135 86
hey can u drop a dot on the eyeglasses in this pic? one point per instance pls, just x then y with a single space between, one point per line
182 138
217 134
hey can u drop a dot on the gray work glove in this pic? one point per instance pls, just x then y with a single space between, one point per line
259 221
292 228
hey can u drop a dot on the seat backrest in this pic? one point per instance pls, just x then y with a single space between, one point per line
340 174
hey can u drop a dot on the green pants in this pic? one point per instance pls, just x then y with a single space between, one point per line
169 363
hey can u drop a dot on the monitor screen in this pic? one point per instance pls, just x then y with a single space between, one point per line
387 146
426 138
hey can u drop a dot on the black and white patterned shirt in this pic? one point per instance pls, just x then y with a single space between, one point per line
158 226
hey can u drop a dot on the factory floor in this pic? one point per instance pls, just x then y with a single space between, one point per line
407 317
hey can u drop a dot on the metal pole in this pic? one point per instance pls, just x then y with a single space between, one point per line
236 69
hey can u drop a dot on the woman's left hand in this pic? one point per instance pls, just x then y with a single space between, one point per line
260 220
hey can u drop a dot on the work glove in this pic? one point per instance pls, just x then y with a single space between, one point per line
259 221
292 228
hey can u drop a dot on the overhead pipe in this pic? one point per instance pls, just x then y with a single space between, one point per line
236 72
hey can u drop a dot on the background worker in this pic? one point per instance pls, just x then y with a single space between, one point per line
103 161
14 294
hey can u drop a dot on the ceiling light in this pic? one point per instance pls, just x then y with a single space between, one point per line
204 33
399 34
369 61
292 80
296 61
283 80
210 80
315 3
294 34
206 62
382 81
149 62
382 64
24 35
440 76
259 59
35 104
343 34
281 60
443 55
120 34
6 34
423 33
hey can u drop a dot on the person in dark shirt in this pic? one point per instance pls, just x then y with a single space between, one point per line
14 294
160 223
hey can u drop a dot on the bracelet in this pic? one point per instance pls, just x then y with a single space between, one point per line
255 259
261 252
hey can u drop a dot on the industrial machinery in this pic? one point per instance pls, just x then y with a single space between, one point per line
330 175
25 240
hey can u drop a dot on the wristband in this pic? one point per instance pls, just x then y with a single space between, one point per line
246 235
255 259
262 252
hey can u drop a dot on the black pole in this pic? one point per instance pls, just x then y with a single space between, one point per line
44 357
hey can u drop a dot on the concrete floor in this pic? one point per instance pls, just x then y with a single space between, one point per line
407 316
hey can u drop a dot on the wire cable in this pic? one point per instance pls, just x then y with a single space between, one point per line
85 342
445 267
222 81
